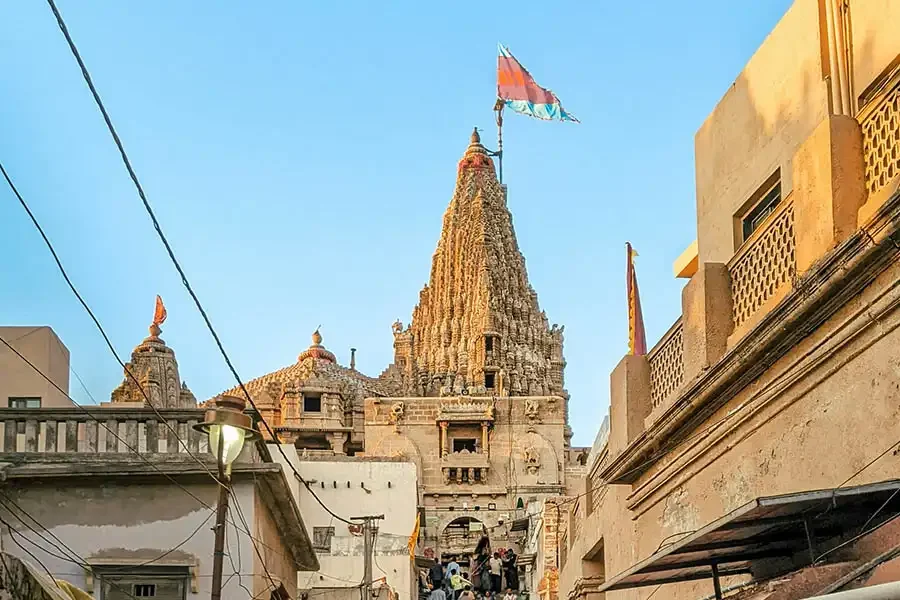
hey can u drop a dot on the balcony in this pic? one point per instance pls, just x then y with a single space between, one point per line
465 467
880 122
763 269
666 361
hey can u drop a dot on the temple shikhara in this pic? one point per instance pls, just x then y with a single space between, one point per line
475 396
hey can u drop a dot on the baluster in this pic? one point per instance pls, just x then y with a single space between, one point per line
112 432
152 433
172 445
91 439
50 437
193 436
71 436
131 436
31 435
10 435
184 434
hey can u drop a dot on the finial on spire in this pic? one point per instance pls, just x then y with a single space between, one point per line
317 337
476 138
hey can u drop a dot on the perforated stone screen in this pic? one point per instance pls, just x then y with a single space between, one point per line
666 365
881 141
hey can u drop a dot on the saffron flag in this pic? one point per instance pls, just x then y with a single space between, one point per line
519 91
413 540
637 338
159 313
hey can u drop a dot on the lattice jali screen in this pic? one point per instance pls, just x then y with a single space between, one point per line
881 140
764 266
666 365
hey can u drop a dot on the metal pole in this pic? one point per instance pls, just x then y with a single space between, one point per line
717 586
367 572
221 511
498 108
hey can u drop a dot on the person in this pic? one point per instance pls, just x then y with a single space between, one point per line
512 570
510 595
496 573
467 593
437 593
453 565
457 583
436 574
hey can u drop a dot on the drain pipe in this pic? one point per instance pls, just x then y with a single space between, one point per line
885 591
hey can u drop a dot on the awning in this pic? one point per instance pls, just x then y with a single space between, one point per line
765 528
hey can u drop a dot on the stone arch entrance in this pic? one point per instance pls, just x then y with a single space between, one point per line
459 539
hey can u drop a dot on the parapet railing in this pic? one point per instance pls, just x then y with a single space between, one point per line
666 361
880 123
118 431
764 264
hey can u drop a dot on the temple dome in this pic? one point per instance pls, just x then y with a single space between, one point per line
316 350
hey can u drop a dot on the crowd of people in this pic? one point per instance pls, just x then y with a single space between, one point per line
493 576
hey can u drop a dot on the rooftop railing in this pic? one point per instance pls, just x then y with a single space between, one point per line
666 361
880 122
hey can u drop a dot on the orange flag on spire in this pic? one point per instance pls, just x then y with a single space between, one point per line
159 314
637 338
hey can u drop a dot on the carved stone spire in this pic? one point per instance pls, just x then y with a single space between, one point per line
154 366
478 314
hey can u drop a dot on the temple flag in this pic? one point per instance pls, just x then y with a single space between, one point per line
517 89
637 338
413 540
159 313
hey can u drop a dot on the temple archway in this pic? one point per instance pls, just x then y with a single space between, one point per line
459 538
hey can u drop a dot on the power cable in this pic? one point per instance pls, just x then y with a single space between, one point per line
135 451
236 503
96 321
158 228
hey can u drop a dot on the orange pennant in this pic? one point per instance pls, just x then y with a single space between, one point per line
159 314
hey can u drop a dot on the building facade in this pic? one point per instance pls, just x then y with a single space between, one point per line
751 452
20 385
475 396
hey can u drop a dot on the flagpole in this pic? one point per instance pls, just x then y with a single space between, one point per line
498 108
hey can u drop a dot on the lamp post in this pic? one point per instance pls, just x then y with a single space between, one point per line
228 428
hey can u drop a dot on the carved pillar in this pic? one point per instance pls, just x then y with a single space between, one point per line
484 438
338 440
443 425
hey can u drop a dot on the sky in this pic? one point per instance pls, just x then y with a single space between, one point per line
300 157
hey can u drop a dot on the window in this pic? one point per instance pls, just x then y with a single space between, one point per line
127 583
322 539
23 402
762 209
312 402
488 343
489 380
460 444
145 590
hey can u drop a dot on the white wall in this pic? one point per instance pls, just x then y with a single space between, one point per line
343 567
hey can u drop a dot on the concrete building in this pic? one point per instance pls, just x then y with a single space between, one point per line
750 451
120 523
474 398
351 487
20 385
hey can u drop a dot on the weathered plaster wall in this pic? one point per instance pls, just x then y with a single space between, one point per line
392 491
134 522
274 552
754 130
876 39
825 424
41 346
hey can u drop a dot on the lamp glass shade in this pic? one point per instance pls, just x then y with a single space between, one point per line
233 439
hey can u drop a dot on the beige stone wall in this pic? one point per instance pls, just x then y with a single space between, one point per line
753 132
521 429
40 346
875 40
275 555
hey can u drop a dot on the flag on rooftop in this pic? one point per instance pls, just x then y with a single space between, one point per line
159 312
637 338
517 89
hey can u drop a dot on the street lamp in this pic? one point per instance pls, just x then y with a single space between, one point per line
228 428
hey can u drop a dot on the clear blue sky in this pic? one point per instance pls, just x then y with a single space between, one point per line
300 156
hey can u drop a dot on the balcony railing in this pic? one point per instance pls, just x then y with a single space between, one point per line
880 122
666 365
764 264
105 431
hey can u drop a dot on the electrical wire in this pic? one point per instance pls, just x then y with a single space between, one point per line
236 569
135 451
158 228
236 503
96 321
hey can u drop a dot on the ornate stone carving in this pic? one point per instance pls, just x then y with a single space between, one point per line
532 408
397 411
478 314
532 460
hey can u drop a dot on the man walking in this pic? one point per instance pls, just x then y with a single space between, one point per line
496 573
